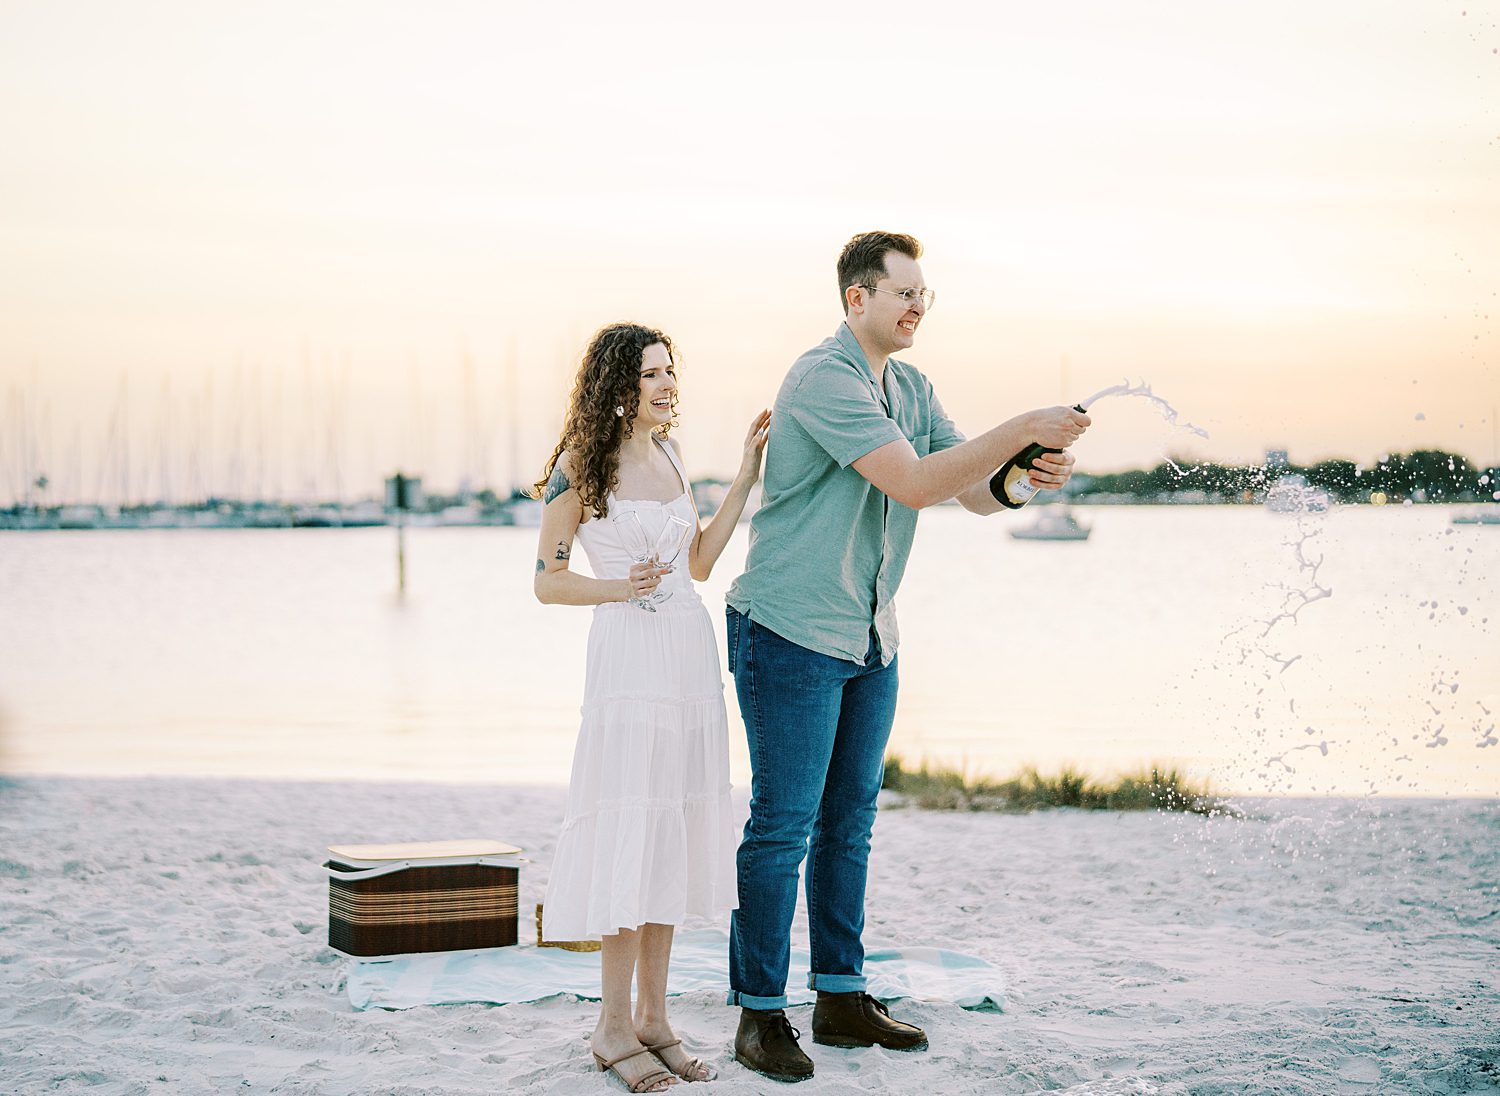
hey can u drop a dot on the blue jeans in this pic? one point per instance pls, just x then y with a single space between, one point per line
817 728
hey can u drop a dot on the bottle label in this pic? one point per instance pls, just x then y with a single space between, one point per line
1019 486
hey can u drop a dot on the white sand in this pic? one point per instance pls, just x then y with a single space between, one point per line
165 936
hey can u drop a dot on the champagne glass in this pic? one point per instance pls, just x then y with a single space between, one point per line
669 545
628 525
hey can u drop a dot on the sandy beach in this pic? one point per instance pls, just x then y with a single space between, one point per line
169 936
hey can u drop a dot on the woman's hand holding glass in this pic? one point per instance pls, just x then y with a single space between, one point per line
651 561
644 576
644 579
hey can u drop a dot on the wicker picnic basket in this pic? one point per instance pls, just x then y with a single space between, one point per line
434 896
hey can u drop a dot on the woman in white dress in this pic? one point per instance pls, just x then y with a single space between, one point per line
648 839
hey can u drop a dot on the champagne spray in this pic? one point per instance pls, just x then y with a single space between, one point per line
1012 486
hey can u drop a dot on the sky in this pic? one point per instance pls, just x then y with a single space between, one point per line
285 249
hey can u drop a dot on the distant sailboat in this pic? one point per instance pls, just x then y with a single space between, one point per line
1053 523
1486 515
1490 516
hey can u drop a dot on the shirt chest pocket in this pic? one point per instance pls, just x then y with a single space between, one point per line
922 443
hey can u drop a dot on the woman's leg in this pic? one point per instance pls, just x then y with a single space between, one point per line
614 1035
651 1026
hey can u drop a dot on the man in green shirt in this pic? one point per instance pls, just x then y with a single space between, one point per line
860 444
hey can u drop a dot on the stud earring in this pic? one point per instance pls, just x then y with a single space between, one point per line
619 411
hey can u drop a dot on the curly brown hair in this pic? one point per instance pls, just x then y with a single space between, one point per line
609 376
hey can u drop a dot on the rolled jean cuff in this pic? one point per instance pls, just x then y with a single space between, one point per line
837 983
759 1004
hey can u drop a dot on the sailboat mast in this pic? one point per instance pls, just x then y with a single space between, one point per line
164 436
513 420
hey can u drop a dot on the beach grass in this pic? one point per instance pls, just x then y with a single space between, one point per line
1157 787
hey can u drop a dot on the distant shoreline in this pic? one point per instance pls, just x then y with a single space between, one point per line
285 516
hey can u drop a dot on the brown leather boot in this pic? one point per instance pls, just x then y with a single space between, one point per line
858 1020
767 1043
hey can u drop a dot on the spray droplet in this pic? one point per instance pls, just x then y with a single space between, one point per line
1421 417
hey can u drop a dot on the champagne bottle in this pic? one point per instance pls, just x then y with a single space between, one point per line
1011 486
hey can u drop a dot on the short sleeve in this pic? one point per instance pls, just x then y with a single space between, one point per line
944 434
835 404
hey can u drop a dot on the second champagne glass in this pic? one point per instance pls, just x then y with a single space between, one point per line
669 544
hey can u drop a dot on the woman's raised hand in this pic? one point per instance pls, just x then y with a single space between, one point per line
1058 427
755 445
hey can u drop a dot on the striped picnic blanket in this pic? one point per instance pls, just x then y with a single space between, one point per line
700 961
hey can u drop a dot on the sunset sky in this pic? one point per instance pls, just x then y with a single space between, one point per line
285 248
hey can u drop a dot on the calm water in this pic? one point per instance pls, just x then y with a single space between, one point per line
285 652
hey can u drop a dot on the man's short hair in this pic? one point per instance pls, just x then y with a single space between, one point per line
862 262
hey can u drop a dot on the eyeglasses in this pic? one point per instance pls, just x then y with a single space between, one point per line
909 297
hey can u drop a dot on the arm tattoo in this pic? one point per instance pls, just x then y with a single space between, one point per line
557 483
563 551
540 566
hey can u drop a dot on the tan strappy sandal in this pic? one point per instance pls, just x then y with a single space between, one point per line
694 1069
658 1080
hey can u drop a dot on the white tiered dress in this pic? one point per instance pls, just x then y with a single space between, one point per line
649 834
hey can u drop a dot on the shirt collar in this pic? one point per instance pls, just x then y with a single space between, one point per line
845 338
850 345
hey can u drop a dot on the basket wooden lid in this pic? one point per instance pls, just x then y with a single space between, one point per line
423 850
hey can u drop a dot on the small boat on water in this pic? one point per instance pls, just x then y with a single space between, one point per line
1053 523
1488 515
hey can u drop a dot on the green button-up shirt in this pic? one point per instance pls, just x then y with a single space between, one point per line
827 548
